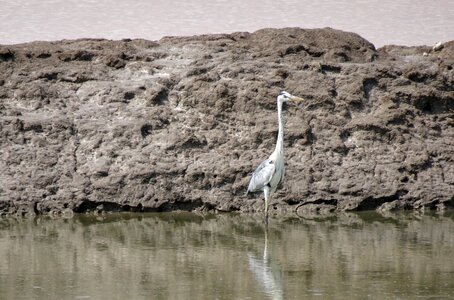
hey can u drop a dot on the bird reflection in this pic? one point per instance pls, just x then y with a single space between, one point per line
261 267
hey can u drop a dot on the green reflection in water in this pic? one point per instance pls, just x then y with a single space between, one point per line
188 256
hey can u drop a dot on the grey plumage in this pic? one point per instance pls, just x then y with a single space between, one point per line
262 176
270 172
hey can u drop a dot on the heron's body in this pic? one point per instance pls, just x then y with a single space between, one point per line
270 173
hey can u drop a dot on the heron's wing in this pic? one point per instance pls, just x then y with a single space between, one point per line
262 175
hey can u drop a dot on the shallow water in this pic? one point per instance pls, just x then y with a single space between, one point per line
186 256
382 22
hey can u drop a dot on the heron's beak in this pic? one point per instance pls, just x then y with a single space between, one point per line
297 98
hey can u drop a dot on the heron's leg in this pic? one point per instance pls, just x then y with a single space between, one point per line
265 248
266 191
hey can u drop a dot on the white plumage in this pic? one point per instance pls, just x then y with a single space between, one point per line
270 172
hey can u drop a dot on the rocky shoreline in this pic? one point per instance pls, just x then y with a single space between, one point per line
181 123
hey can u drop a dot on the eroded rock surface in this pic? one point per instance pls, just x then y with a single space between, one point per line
182 123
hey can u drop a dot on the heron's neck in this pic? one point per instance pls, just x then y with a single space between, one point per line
280 135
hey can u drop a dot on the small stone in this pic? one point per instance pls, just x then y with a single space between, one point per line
438 46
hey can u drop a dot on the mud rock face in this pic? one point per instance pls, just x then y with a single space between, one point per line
182 123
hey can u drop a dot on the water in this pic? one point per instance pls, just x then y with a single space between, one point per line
404 22
186 256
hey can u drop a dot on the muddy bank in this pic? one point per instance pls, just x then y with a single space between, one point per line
181 123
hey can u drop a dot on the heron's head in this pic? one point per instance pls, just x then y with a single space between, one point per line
284 97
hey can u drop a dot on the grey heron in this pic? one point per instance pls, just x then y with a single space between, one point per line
270 172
